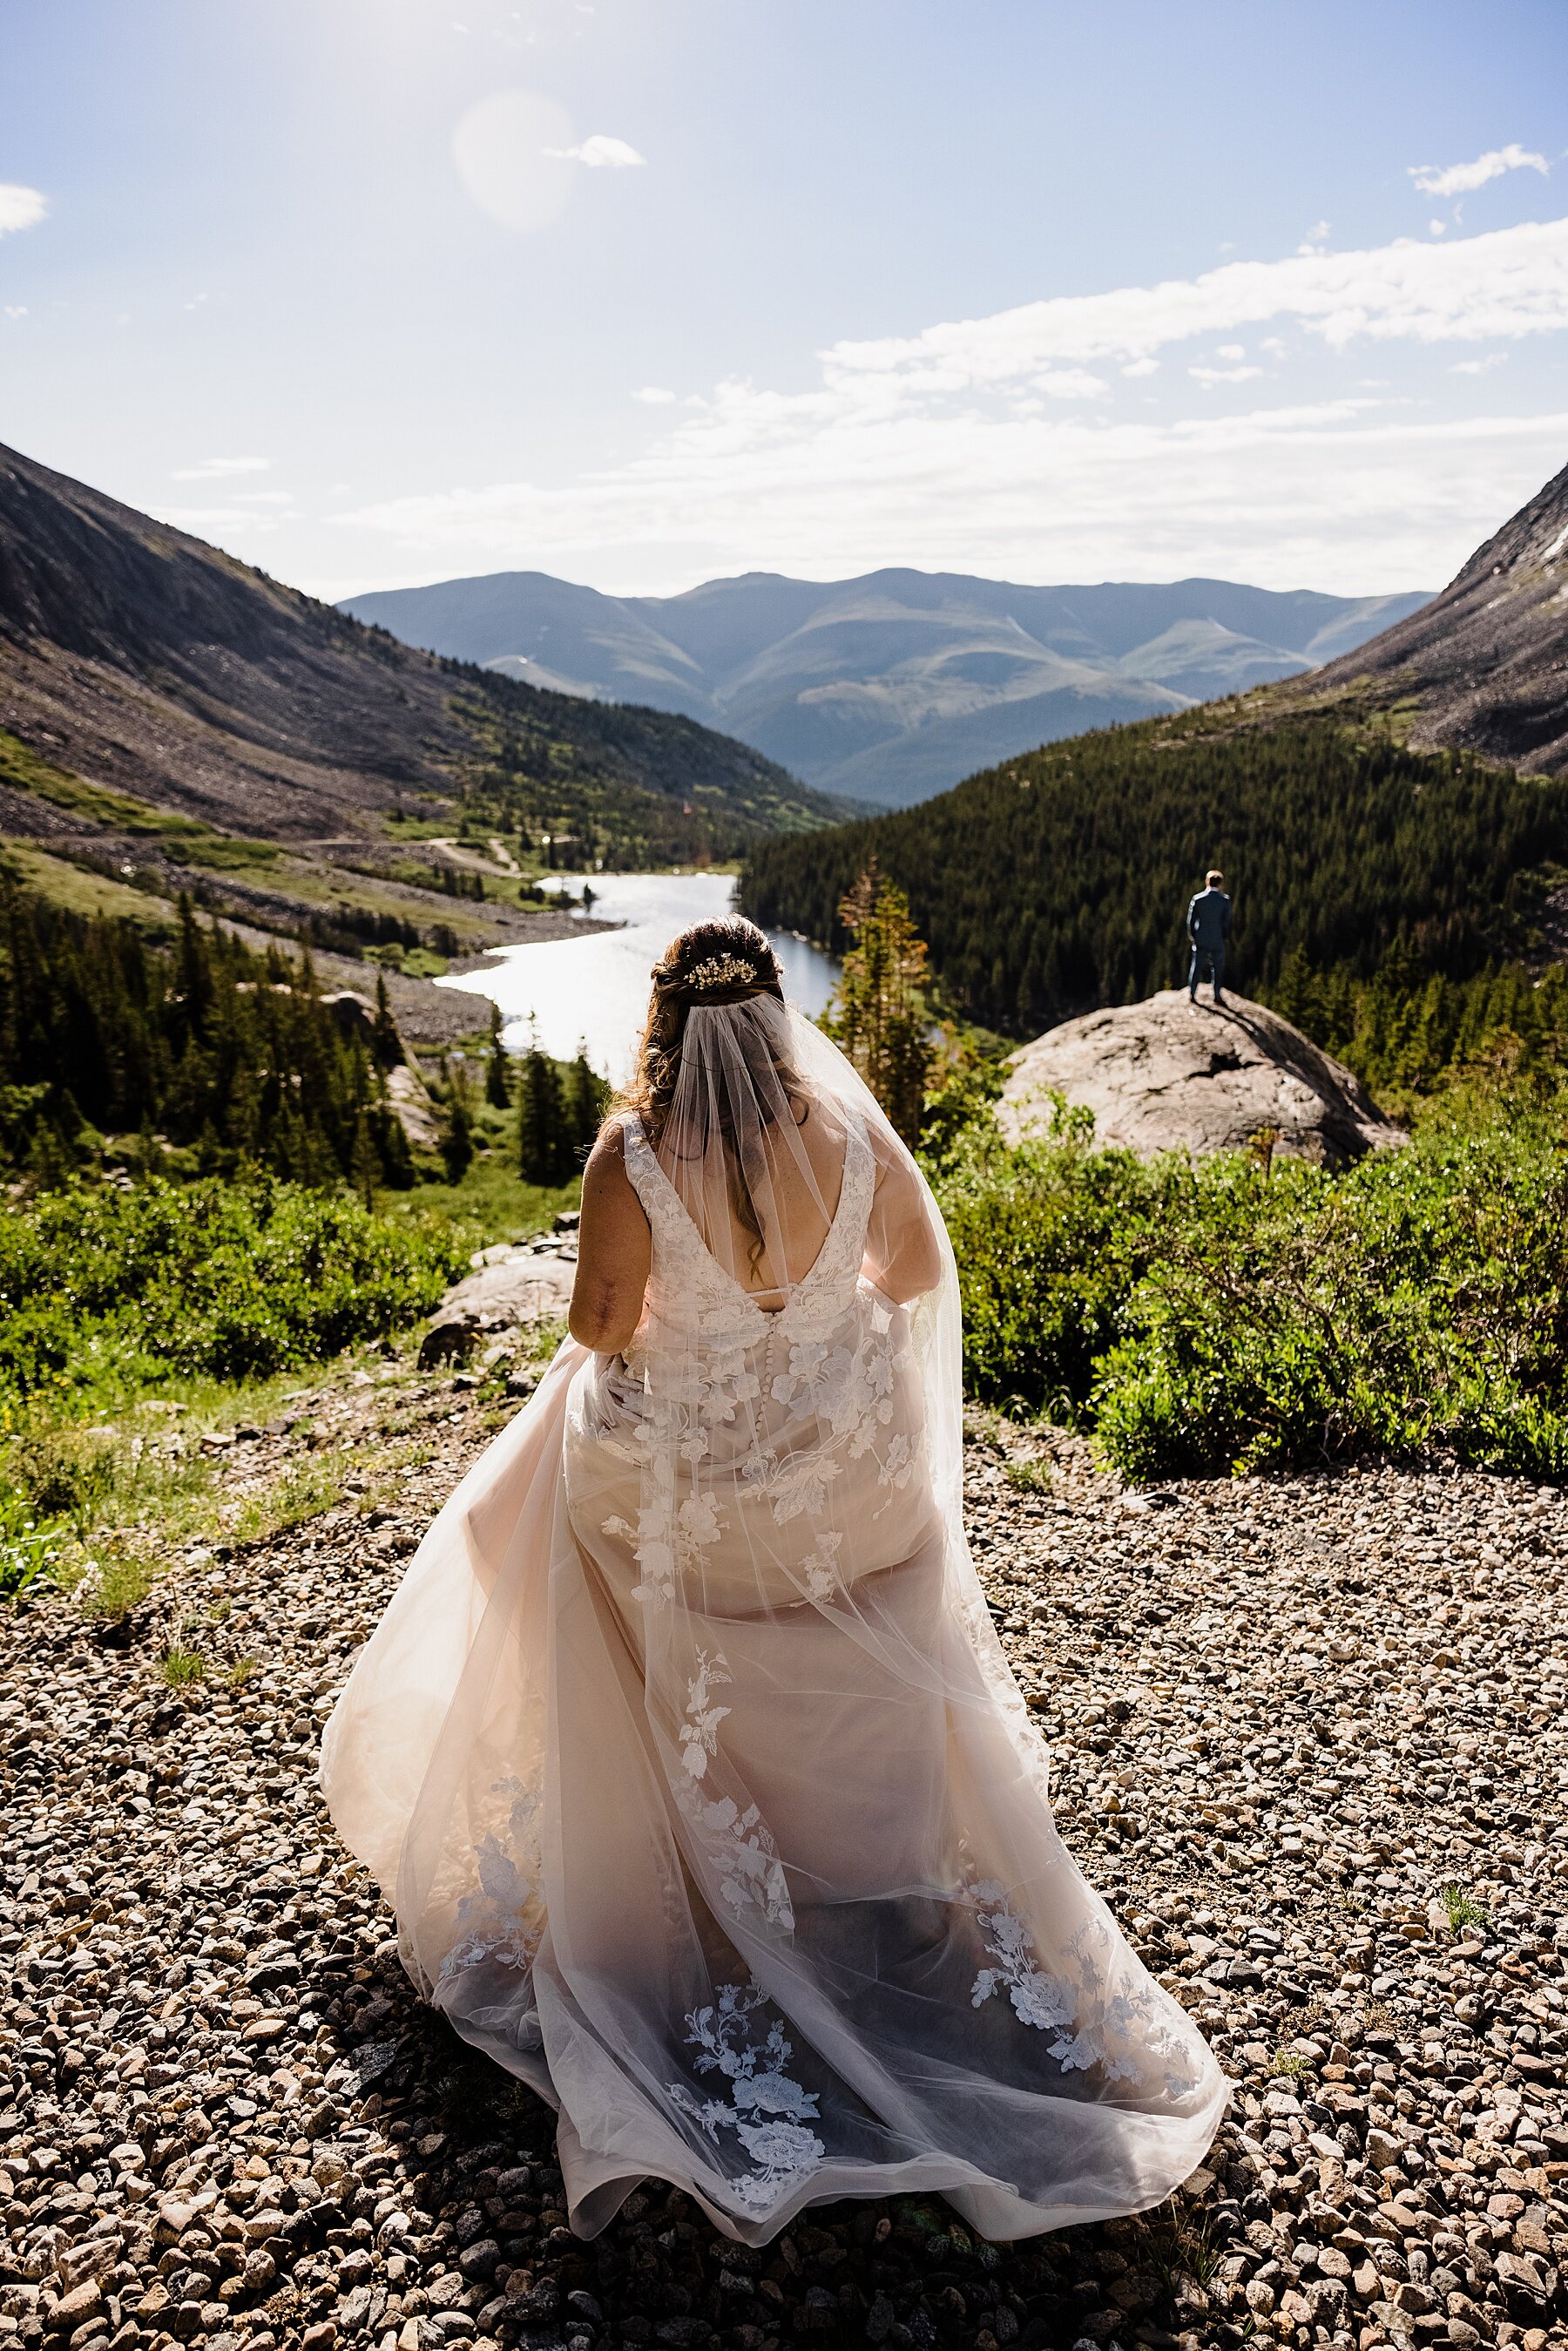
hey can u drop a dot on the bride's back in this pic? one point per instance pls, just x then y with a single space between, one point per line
793 1187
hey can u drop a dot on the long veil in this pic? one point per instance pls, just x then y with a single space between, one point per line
687 1752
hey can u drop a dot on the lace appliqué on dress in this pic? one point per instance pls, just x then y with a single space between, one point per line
820 1568
743 1856
1113 2037
766 2110
494 1925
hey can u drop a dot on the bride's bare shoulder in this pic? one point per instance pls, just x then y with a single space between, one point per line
605 1170
609 1143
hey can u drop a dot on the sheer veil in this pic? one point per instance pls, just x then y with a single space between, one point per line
687 1753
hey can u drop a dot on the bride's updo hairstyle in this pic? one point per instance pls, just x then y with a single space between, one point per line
725 961
712 966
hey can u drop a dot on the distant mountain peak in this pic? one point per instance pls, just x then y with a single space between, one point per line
891 685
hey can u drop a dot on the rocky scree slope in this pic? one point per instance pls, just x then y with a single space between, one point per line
135 657
1285 1716
1486 663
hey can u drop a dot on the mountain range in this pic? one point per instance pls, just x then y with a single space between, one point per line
1409 799
891 687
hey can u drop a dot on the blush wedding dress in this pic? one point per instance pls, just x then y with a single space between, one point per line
687 1753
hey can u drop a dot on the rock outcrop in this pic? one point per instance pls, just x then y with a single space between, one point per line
1171 1075
509 1288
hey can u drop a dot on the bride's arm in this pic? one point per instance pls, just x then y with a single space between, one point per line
615 1252
902 1255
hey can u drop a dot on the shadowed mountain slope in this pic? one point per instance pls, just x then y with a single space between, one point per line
137 661
893 687
1486 663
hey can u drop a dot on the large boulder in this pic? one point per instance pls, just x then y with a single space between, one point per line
1172 1075
508 1288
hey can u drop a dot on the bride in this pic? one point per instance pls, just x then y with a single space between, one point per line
687 1753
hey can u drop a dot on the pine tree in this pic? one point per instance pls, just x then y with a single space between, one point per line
585 1102
386 1045
364 1163
498 1070
878 1013
457 1137
544 1151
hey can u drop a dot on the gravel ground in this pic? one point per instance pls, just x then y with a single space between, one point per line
1305 1732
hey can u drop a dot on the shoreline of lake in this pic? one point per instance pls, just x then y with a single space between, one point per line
590 985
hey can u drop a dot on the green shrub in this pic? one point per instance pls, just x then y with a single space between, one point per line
233 1281
1049 1239
1210 1318
63 1472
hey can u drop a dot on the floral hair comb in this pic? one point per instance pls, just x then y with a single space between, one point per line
721 971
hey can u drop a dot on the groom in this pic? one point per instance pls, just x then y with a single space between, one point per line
1208 928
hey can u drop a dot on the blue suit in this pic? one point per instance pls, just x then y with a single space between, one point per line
1207 927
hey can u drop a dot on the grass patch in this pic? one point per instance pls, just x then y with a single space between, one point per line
491 1203
116 811
1463 1909
1178 2243
82 890
302 1492
118 1582
1031 1476
239 1672
180 1666
226 852
30 1546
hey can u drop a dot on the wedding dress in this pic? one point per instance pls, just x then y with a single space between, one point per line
687 1753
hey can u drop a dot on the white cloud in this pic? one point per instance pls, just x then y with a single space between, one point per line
1315 239
1480 367
20 207
220 469
599 153
1339 496
1141 367
654 395
1437 227
951 449
1460 178
1512 281
1232 352
15 310
1069 383
1273 345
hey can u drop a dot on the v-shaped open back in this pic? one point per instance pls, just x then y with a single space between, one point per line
686 1269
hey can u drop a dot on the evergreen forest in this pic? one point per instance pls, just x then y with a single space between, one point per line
233 1058
1060 880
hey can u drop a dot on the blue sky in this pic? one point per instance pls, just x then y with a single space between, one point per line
376 291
